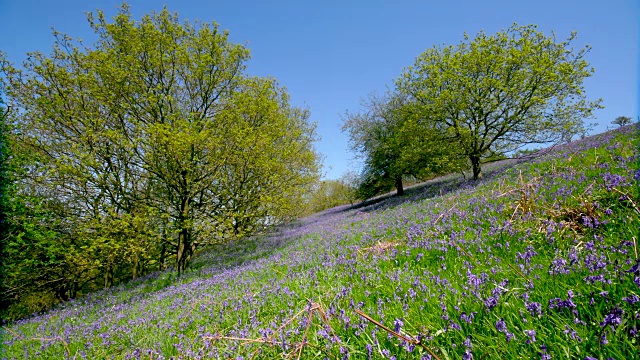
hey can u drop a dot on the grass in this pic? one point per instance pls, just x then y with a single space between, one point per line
537 260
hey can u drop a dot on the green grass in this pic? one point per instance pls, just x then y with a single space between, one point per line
520 240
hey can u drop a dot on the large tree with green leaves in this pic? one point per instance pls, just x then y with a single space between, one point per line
394 144
4 190
154 141
496 93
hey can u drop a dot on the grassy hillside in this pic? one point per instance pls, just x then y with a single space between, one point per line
538 260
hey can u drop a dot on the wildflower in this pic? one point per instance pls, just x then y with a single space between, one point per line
543 354
603 339
467 318
398 323
534 308
557 303
491 302
501 326
510 336
532 336
572 333
614 318
467 355
635 269
558 266
612 180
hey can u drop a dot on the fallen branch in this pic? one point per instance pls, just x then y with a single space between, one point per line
298 347
442 214
518 271
57 338
410 340
66 345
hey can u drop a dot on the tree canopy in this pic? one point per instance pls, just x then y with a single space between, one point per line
149 144
329 193
622 121
394 144
4 192
495 93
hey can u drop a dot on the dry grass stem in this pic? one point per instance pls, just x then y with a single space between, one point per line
378 248
298 348
410 339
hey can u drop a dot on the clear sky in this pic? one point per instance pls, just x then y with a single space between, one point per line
330 54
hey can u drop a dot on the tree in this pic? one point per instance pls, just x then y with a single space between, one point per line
494 94
154 142
394 144
4 190
622 121
270 161
329 193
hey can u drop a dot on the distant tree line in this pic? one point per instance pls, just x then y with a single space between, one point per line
128 156
329 193
459 106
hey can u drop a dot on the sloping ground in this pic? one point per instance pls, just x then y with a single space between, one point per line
537 260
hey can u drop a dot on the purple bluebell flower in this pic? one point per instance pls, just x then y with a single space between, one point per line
467 355
603 339
467 318
613 180
571 333
534 308
491 302
532 336
501 326
543 353
467 342
510 336
397 325
614 318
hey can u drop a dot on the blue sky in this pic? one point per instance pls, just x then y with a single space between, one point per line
330 54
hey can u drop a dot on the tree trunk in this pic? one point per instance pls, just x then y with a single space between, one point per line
399 187
163 252
182 249
108 277
73 290
134 269
190 251
184 240
475 164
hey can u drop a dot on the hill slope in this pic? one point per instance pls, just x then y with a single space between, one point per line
538 259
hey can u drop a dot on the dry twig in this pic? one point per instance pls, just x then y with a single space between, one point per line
298 347
410 339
